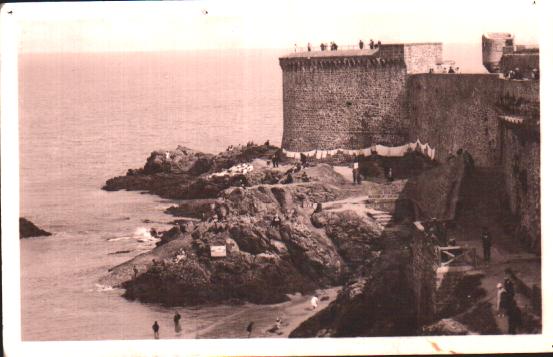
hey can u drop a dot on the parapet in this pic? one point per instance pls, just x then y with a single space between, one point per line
415 57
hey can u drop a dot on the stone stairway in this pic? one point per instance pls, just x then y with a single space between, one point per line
381 217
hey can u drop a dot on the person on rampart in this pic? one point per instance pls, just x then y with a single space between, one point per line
308 46
451 70
371 44
457 70
323 47
378 44
361 44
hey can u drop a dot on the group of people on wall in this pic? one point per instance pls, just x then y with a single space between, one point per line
334 46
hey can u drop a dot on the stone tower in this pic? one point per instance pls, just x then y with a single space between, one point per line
492 49
350 99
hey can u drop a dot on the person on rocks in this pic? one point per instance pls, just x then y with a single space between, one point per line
276 159
155 327
314 302
514 318
361 44
249 328
289 179
276 221
176 321
318 207
153 232
390 175
135 270
278 323
303 160
486 244
182 228
304 177
297 167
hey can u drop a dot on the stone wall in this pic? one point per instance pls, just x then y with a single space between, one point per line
350 99
343 106
525 62
520 162
452 111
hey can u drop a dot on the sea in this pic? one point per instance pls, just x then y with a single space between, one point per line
87 117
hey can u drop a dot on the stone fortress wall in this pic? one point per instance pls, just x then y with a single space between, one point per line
349 99
358 98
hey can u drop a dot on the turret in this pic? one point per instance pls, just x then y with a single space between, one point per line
492 49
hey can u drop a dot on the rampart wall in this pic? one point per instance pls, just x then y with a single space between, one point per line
350 99
520 163
452 111
343 106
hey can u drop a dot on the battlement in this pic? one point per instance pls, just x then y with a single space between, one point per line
415 57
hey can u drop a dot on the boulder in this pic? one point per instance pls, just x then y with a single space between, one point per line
29 229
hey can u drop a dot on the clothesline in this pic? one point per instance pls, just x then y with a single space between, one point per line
381 150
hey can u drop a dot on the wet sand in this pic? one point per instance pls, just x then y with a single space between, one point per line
232 321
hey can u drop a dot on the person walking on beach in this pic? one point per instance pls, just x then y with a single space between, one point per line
486 244
314 302
155 327
250 328
176 320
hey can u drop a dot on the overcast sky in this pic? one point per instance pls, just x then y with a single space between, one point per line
154 26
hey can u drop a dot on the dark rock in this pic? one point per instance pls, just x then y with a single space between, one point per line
378 304
28 229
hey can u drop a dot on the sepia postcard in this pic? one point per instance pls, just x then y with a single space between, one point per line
276 178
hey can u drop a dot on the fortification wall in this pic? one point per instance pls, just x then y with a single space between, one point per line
452 111
520 163
343 104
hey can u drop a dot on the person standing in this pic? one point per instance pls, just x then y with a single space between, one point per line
355 171
361 44
176 320
509 287
314 302
155 327
486 244
309 47
250 328
502 301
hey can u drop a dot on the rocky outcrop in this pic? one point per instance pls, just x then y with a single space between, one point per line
264 261
377 303
262 264
29 229
186 174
